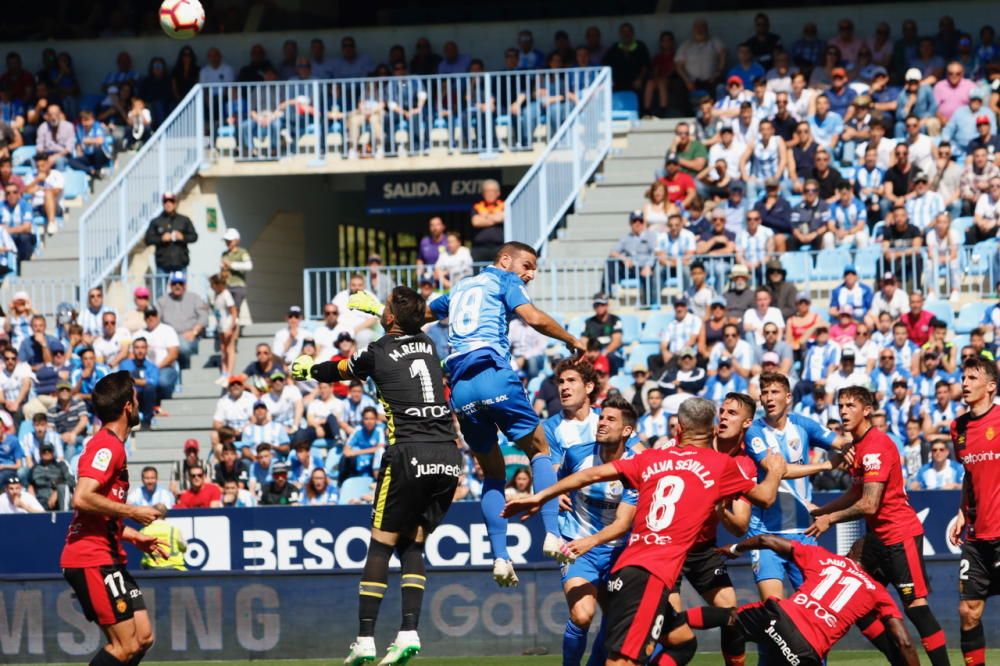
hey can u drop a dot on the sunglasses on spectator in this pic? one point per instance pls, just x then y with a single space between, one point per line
108 322
330 312
954 72
682 133
811 189
730 335
938 449
14 358
262 353
12 190
197 475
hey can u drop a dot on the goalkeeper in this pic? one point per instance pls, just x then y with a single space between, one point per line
420 468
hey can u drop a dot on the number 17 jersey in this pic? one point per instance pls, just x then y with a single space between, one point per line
678 490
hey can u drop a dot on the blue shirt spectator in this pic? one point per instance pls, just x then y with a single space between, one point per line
825 127
528 57
11 454
145 370
924 106
939 474
961 128
718 386
362 439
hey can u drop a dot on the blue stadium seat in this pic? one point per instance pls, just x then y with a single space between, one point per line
621 382
535 383
877 230
942 310
830 263
981 257
866 261
625 106
575 325
960 341
77 184
640 353
23 155
655 325
355 488
961 224
970 316
798 266
630 328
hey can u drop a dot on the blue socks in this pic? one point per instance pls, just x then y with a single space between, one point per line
574 644
543 476
496 525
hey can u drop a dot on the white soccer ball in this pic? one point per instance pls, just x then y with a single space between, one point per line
182 19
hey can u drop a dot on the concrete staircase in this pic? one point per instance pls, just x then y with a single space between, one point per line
601 218
190 410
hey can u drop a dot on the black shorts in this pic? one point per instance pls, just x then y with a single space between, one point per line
638 613
979 570
780 640
900 565
108 594
705 569
416 485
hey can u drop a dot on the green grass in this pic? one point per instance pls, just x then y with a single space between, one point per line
841 658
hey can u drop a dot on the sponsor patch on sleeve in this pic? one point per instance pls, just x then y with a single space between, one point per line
757 445
101 460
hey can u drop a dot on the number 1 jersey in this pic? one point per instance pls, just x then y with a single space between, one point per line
678 490
407 374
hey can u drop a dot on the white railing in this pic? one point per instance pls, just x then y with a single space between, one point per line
116 221
553 183
391 116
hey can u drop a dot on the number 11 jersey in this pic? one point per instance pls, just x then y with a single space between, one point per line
407 374
678 490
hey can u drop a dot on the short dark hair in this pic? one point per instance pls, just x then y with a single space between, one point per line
512 248
111 395
984 365
263 446
40 417
616 401
743 399
409 308
227 434
859 393
150 468
768 378
369 410
229 446
584 369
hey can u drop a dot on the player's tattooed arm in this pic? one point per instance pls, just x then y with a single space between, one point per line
866 505
902 639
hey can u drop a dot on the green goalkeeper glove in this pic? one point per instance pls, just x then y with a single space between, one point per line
302 367
365 302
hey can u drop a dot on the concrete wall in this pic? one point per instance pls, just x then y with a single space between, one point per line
94 58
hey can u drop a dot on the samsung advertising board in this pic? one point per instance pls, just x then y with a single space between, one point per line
424 191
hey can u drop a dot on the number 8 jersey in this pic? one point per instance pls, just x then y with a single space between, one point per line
678 490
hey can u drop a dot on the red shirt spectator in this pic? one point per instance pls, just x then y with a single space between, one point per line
201 495
917 320
680 186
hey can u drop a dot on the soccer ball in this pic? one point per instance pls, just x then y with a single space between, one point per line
181 19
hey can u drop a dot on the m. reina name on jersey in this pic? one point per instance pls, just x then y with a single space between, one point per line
408 348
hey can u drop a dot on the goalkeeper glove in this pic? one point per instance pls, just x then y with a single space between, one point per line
302 367
365 302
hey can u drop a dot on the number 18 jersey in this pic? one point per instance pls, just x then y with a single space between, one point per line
678 490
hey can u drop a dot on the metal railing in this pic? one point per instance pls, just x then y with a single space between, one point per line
392 116
568 285
116 221
553 183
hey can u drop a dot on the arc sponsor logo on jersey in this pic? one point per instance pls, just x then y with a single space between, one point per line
810 604
428 411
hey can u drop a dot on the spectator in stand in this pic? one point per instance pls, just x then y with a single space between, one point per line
606 329
253 71
762 313
155 88
930 65
846 41
851 293
91 315
15 500
85 378
528 57
231 467
289 59
287 343
820 361
36 350
111 346
754 245
232 410
134 320
184 74
889 299
17 217
633 256
842 332
262 429
662 72
917 321
12 457
171 233
262 468
736 206
379 283
200 493
679 334
825 175
56 138
149 492
922 151
185 312
775 213
164 349
680 185
453 62
802 158
487 220
15 381
986 214
454 263
674 249
364 445
901 245
691 154
658 207
91 153
46 190
527 348
763 44
924 205
773 344
746 68
941 473
985 136
68 417
850 218
899 178
146 376
811 220
701 59
236 262
325 418
952 92
216 70
424 62
963 131
284 402
782 292
976 178
431 245
763 159
778 80
801 326
719 241
915 99
807 51
821 77
947 180
826 125
739 297
731 106
698 292
732 348
279 492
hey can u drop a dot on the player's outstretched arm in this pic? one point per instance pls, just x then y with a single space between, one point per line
304 368
617 529
604 472
779 545
796 471
548 326
86 498
902 640
147 544
866 505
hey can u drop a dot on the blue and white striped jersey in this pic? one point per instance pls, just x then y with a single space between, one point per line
564 434
594 506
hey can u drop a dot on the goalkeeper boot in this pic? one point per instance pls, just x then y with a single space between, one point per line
503 573
405 647
555 547
362 652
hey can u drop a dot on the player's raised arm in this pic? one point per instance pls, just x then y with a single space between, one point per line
87 498
305 368
604 472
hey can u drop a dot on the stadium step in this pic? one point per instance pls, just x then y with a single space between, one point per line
203 407
149 441
607 198
638 171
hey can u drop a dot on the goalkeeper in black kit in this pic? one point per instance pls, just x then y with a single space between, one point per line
420 468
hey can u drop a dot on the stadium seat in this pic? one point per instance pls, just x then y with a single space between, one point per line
534 384
960 341
630 328
23 155
575 325
77 184
877 230
355 488
866 261
979 259
625 106
655 325
962 224
798 266
620 382
830 263
970 316
942 310
640 353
